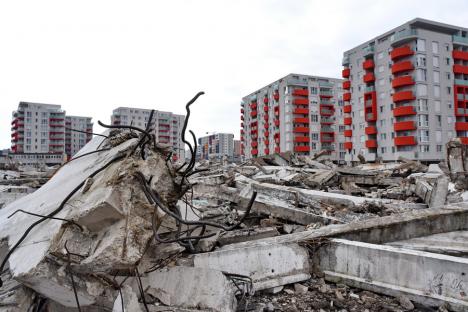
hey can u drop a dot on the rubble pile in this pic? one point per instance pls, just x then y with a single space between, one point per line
121 227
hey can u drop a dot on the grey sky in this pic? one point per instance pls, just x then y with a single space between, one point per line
93 56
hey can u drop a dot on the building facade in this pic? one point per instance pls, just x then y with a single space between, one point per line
74 141
166 126
237 157
297 113
216 146
41 129
406 92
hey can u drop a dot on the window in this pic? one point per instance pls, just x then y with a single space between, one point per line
447 61
448 76
383 150
449 90
421 45
423 120
449 120
439 120
447 47
435 47
421 90
420 60
314 118
314 136
382 122
380 55
436 77
420 74
436 91
381 82
422 105
435 61
424 148
438 148
313 90
363 138
437 106
424 136
381 68
383 136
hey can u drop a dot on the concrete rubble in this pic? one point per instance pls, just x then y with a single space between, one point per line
121 227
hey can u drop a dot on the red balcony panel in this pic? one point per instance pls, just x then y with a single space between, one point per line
254 144
347 109
346 85
404 140
347 121
265 108
369 77
348 133
403 96
368 64
347 96
402 81
242 125
404 125
370 130
254 152
402 67
464 140
302 148
266 151
460 69
265 118
301 120
276 135
277 149
348 145
301 130
404 111
265 100
266 133
461 126
304 111
277 122
266 141
265 126
301 139
301 92
371 143
276 96
460 55
346 72
242 117
253 114
301 101
242 110
401 52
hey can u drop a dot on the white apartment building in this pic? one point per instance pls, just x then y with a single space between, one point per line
216 146
166 126
74 140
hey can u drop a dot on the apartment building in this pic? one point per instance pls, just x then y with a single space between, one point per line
237 157
406 92
297 113
74 140
41 129
216 146
166 126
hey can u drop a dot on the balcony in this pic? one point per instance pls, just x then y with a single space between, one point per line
326 120
254 152
266 133
371 143
265 117
460 40
300 92
276 96
346 72
266 141
301 139
265 100
242 125
404 111
277 122
401 52
461 126
304 111
301 101
325 111
348 145
347 96
265 126
460 69
404 36
348 133
402 81
253 114
254 144
404 140
327 129
242 117
460 55
242 110
372 116
277 149
345 60
265 108
266 151
404 125
325 93
326 137
346 85
301 120
369 77
402 66
370 130
403 96
347 109
461 82
347 121
302 148
301 130
368 64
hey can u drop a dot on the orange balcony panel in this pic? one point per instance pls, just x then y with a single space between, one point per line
346 72
302 148
301 139
346 85
348 145
461 126
301 120
404 125
402 81
404 140
370 130
460 69
371 143
347 121
301 129
348 133
401 52
301 92
347 109
404 111
403 96
301 101
369 64
277 122
347 96
254 152
460 55
304 111
402 67
265 100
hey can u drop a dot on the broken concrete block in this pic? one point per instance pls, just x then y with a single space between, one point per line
189 287
300 289
129 299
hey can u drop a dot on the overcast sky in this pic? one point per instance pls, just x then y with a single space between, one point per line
93 56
